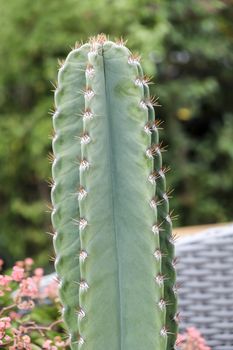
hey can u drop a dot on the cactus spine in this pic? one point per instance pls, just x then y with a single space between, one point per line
111 217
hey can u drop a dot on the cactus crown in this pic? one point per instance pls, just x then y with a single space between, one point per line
113 230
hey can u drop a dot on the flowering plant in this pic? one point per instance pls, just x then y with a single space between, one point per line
28 311
191 340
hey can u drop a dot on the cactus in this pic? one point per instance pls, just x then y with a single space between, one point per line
113 238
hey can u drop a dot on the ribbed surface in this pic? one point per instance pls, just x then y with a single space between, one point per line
205 273
111 214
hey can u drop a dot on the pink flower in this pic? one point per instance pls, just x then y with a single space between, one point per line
48 345
29 262
14 315
5 280
28 288
5 323
7 338
26 339
5 284
181 338
21 343
192 340
193 333
19 263
39 272
17 273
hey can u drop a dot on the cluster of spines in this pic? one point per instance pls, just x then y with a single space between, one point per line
87 116
162 229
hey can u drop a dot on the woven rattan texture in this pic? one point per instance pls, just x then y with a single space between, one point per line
205 276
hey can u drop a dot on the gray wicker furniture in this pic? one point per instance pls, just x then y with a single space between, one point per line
205 275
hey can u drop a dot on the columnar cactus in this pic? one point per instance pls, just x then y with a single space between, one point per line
113 230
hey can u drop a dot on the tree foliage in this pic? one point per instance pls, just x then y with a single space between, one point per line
185 45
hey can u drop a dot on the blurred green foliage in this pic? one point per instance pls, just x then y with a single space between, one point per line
185 45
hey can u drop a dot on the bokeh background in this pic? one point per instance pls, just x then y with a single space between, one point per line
185 45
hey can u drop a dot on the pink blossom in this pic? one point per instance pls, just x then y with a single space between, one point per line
21 343
5 280
5 284
39 272
180 339
19 263
14 315
193 332
192 340
17 273
26 339
7 338
48 345
5 323
29 262
28 288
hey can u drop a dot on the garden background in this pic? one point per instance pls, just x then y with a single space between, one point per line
185 45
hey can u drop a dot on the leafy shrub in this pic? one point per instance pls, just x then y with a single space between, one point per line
29 313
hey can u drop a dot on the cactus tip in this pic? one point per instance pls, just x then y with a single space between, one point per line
99 39
134 59
60 63
120 41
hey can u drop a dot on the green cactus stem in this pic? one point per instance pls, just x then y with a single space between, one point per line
111 215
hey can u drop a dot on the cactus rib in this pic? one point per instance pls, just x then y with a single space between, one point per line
67 124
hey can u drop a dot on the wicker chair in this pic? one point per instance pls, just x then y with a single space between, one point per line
205 275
